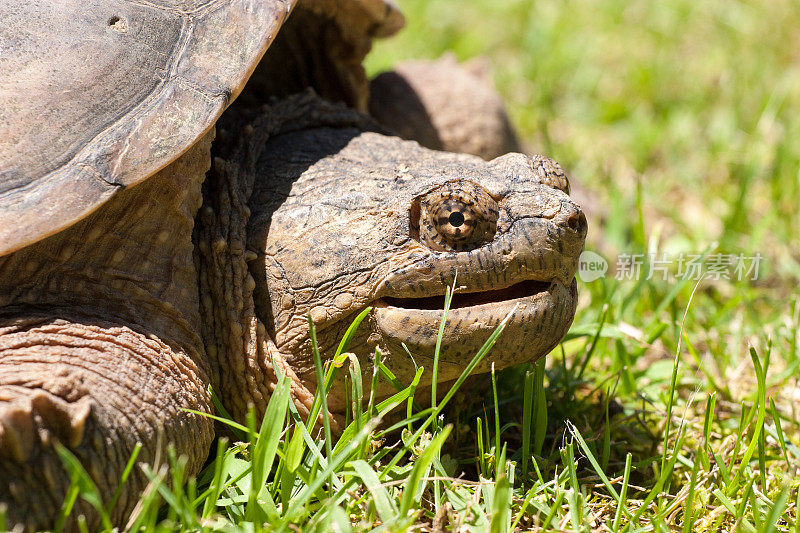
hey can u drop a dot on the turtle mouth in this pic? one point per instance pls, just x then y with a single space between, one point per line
536 313
466 299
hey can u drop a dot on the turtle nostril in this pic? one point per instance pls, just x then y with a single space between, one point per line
577 222
456 218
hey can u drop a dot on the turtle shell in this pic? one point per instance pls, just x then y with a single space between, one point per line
97 95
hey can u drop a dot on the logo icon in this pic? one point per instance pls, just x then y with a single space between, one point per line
591 266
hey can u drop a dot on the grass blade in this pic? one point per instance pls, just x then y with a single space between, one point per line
383 503
301 500
623 493
414 484
501 501
759 425
321 392
527 408
86 487
540 407
265 445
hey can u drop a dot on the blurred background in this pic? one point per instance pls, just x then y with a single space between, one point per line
681 119
696 102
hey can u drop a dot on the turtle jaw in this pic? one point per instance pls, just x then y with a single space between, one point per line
525 276
538 316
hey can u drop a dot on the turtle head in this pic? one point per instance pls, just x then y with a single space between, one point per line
383 223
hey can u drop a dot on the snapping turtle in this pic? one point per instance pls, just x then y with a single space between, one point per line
120 304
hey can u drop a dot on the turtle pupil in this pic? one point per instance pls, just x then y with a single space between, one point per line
456 219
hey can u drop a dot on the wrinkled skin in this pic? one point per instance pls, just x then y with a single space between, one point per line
331 224
111 328
358 211
100 348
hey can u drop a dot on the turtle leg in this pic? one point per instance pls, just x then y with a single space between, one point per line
100 349
97 389
444 105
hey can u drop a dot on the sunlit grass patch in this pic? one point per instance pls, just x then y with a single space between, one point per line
565 457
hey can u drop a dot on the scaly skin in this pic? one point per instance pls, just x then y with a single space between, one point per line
240 348
109 329
100 347
324 223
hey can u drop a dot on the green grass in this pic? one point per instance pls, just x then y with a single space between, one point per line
682 120
671 405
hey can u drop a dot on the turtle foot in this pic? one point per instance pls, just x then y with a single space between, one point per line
37 418
98 390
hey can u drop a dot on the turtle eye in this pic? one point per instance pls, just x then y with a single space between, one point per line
457 216
455 220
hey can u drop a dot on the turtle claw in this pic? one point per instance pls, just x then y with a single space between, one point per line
41 415
17 435
65 420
